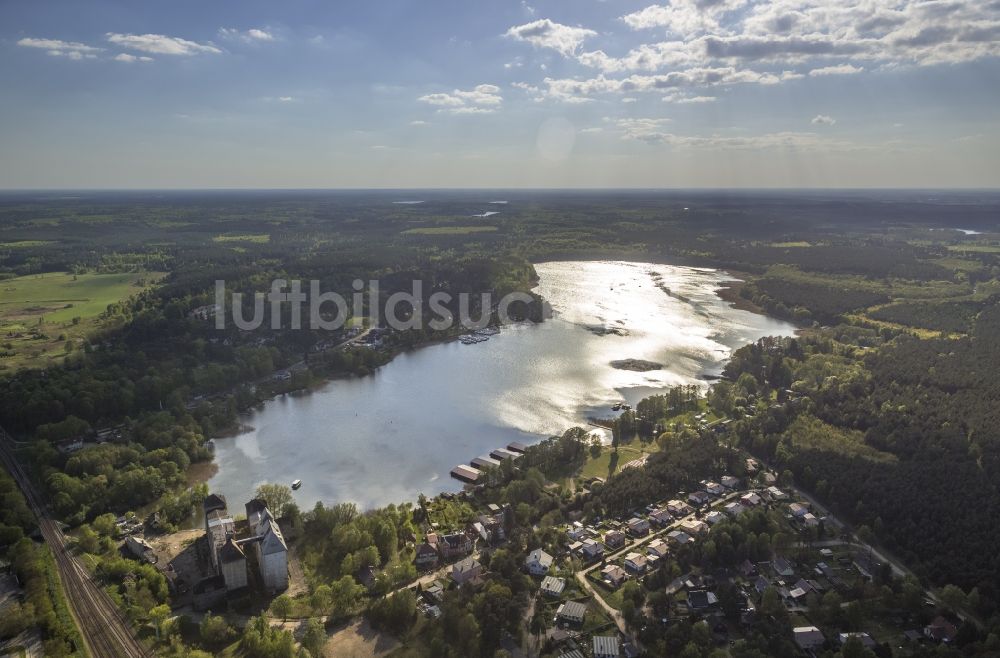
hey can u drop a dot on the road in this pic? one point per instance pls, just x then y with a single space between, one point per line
105 630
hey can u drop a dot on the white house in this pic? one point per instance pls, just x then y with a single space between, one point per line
657 548
635 562
678 507
751 499
538 562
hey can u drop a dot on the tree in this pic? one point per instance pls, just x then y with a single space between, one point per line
157 616
276 496
953 598
282 607
215 632
314 638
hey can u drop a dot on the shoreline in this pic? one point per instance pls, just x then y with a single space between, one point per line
726 290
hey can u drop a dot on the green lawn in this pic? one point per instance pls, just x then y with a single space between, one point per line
599 467
35 310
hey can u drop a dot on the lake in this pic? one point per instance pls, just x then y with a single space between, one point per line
397 433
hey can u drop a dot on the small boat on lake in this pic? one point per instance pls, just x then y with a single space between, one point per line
296 484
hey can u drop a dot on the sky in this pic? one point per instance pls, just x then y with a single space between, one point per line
519 93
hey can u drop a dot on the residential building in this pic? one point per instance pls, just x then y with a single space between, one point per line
782 567
751 499
465 570
614 539
605 646
661 517
678 508
699 498
774 493
712 488
940 630
808 638
636 563
552 586
614 575
701 599
657 548
638 527
714 517
426 556
730 482
866 640
139 548
679 537
798 510
454 545
733 509
591 550
572 612
538 562
693 526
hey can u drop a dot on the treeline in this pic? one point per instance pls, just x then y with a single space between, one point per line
951 317
803 301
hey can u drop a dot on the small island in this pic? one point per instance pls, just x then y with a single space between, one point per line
637 365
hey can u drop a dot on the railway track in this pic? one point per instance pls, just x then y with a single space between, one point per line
104 628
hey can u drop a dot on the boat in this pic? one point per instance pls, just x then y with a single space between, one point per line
617 406
296 484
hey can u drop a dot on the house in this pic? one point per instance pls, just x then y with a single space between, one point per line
866 564
712 488
140 549
866 640
751 499
693 526
761 584
576 532
614 575
733 509
678 537
782 567
552 586
638 527
454 545
465 570
636 563
657 548
538 562
572 612
747 569
798 510
614 539
678 508
698 498
660 517
591 550
701 599
605 646
426 556
730 482
809 638
774 493
940 630
714 517
233 562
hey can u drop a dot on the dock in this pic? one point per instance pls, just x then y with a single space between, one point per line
503 453
517 446
485 462
465 473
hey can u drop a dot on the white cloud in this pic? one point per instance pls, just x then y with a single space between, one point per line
253 35
652 131
630 99
125 57
159 44
823 120
683 18
839 69
59 48
418 122
545 33
570 89
482 99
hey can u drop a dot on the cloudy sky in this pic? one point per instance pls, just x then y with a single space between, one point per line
535 93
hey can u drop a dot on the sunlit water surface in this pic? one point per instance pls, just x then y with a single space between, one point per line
394 434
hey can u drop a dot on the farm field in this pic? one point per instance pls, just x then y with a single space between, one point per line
41 313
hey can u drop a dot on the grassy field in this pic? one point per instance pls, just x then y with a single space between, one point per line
40 313
598 468
257 238
449 230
